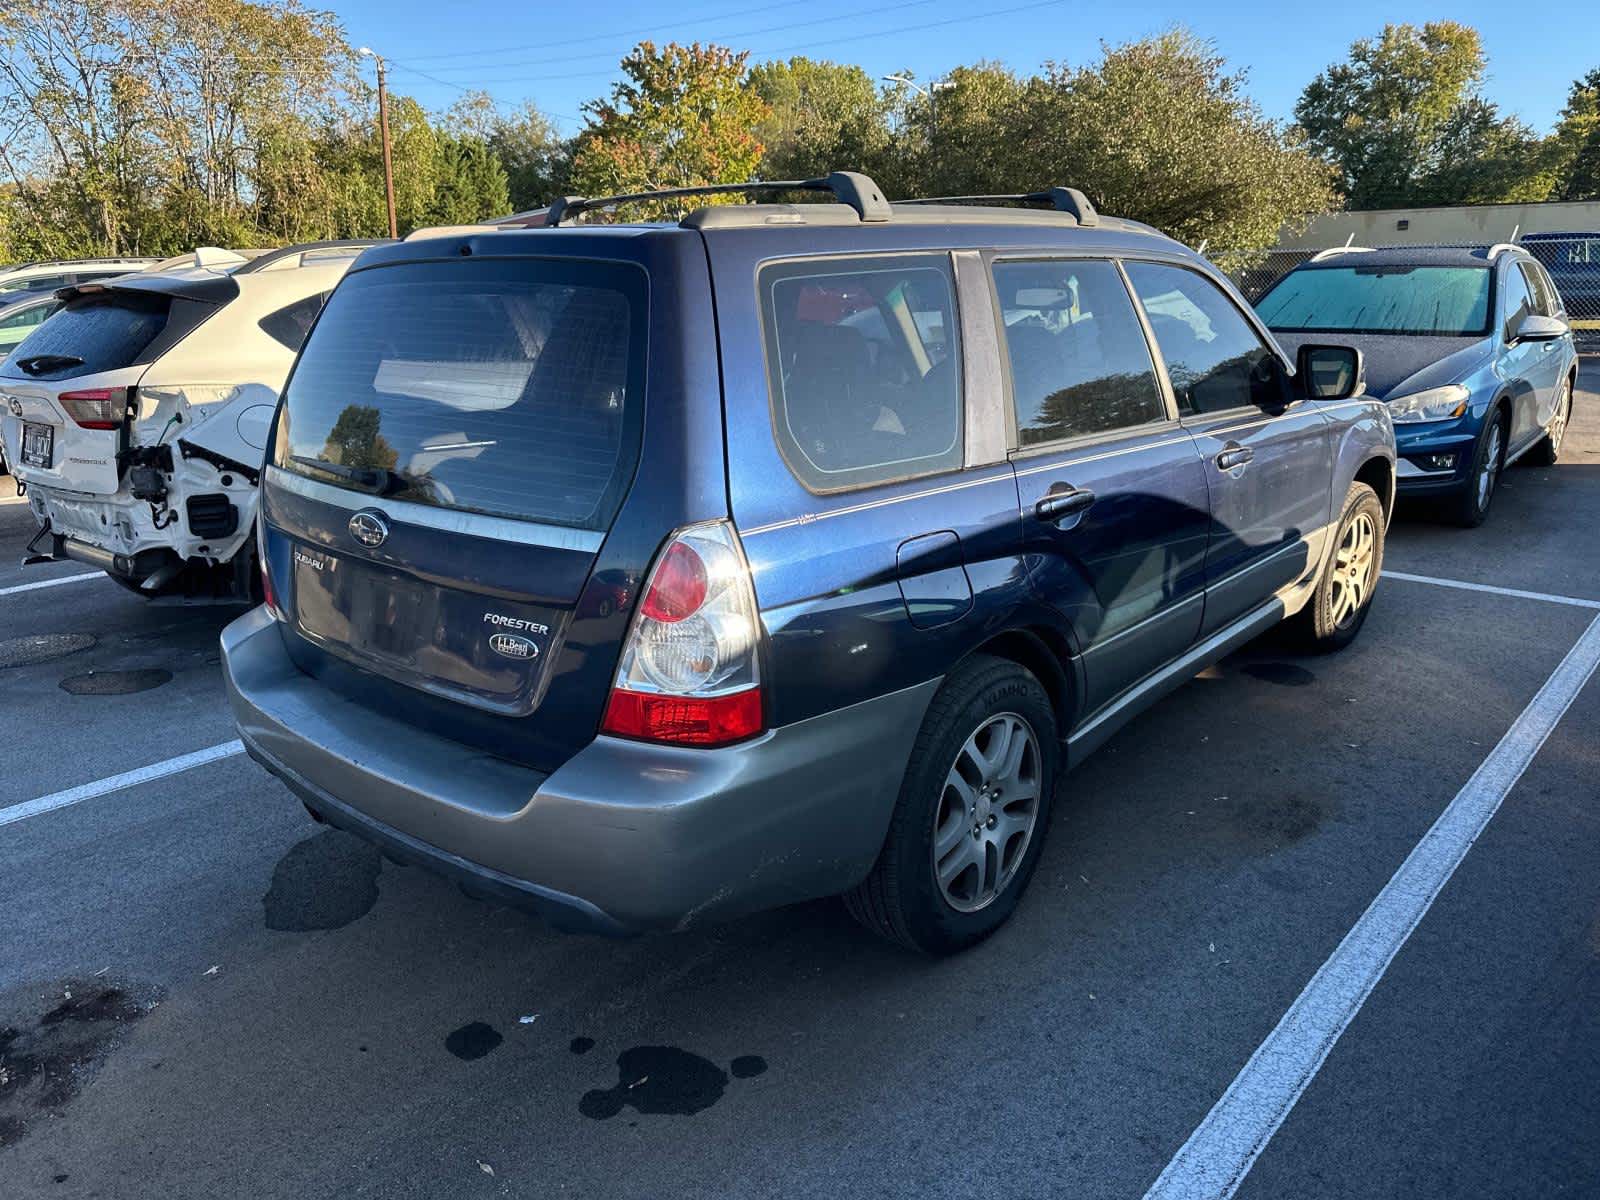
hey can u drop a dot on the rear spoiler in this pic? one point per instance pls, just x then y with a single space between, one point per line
217 289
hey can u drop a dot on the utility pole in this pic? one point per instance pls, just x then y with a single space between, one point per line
383 132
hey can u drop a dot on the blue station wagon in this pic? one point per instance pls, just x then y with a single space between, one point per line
1470 349
642 575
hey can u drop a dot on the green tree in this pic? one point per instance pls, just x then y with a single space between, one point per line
681 119
536 159
135 124
1577 140
470 183
1159 131
961 140
822 117
1404 121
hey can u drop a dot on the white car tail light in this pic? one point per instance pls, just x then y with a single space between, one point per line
96 408
689 673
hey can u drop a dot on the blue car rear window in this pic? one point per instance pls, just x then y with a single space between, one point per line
1396 299
509 387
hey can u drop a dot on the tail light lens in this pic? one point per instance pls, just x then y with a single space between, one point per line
689 673
268 596
96 408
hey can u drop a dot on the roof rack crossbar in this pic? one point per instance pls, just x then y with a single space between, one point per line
1063 199
848 187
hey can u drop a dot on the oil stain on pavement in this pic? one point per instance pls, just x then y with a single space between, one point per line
325 881
473 1040
664 1080
45 1060
115 683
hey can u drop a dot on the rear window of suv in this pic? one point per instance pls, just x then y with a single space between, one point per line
864 368
90 335
510 387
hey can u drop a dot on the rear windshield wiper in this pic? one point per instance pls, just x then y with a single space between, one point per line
375 479
38 364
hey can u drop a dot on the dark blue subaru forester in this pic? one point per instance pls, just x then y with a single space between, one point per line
647 574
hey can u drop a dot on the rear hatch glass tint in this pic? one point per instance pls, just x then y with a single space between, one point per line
103 332
509 387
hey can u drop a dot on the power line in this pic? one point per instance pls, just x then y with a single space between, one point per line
812 45
720 38
616 33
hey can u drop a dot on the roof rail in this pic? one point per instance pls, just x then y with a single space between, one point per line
265 261
848 187
1063 199
1335 251
1499 248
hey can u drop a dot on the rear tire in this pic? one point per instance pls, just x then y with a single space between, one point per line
1338 608
964 839
1470 508
1548 451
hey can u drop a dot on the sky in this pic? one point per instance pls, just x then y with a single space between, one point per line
560 55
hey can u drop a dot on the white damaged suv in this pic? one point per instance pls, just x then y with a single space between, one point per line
136 417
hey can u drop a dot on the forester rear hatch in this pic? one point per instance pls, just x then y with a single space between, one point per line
479 452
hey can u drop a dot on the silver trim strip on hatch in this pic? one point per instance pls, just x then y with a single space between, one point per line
449 520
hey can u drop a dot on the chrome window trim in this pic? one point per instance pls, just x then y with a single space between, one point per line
447 520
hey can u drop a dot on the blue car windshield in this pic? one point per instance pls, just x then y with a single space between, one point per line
1437 301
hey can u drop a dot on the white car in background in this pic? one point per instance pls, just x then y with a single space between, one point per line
47 276
135 418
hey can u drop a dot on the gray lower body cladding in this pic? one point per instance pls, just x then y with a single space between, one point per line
624 836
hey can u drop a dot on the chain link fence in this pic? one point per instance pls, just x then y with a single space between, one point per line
1573 262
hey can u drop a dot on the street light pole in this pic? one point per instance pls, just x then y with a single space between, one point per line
383 132
929 93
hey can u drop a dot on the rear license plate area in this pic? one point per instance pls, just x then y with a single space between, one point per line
38 445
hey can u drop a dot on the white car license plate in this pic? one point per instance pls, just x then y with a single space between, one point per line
38 444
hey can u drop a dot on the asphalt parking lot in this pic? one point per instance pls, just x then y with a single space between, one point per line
204 994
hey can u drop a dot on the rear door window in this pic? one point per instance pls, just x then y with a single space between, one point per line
864 368
1079 361
290 324
104 332
510 387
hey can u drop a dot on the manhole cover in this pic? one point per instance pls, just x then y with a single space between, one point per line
41 647
115 683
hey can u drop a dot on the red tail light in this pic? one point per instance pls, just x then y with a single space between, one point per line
686 720
689 673
96 408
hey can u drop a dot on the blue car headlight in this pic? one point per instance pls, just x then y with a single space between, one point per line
1434 404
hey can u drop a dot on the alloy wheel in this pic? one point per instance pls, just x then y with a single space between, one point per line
987 812
1352 569
1489 472
1558 423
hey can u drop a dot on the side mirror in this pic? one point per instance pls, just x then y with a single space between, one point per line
1536 327
1329 372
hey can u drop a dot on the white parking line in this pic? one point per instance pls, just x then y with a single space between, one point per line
49 583
1214 1161
1518 593
88 791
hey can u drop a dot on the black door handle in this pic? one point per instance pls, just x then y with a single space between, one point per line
1058 506
1234 455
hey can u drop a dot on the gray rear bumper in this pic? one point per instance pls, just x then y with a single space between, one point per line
624 836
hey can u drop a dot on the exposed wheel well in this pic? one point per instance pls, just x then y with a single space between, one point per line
1044 653
1378 475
